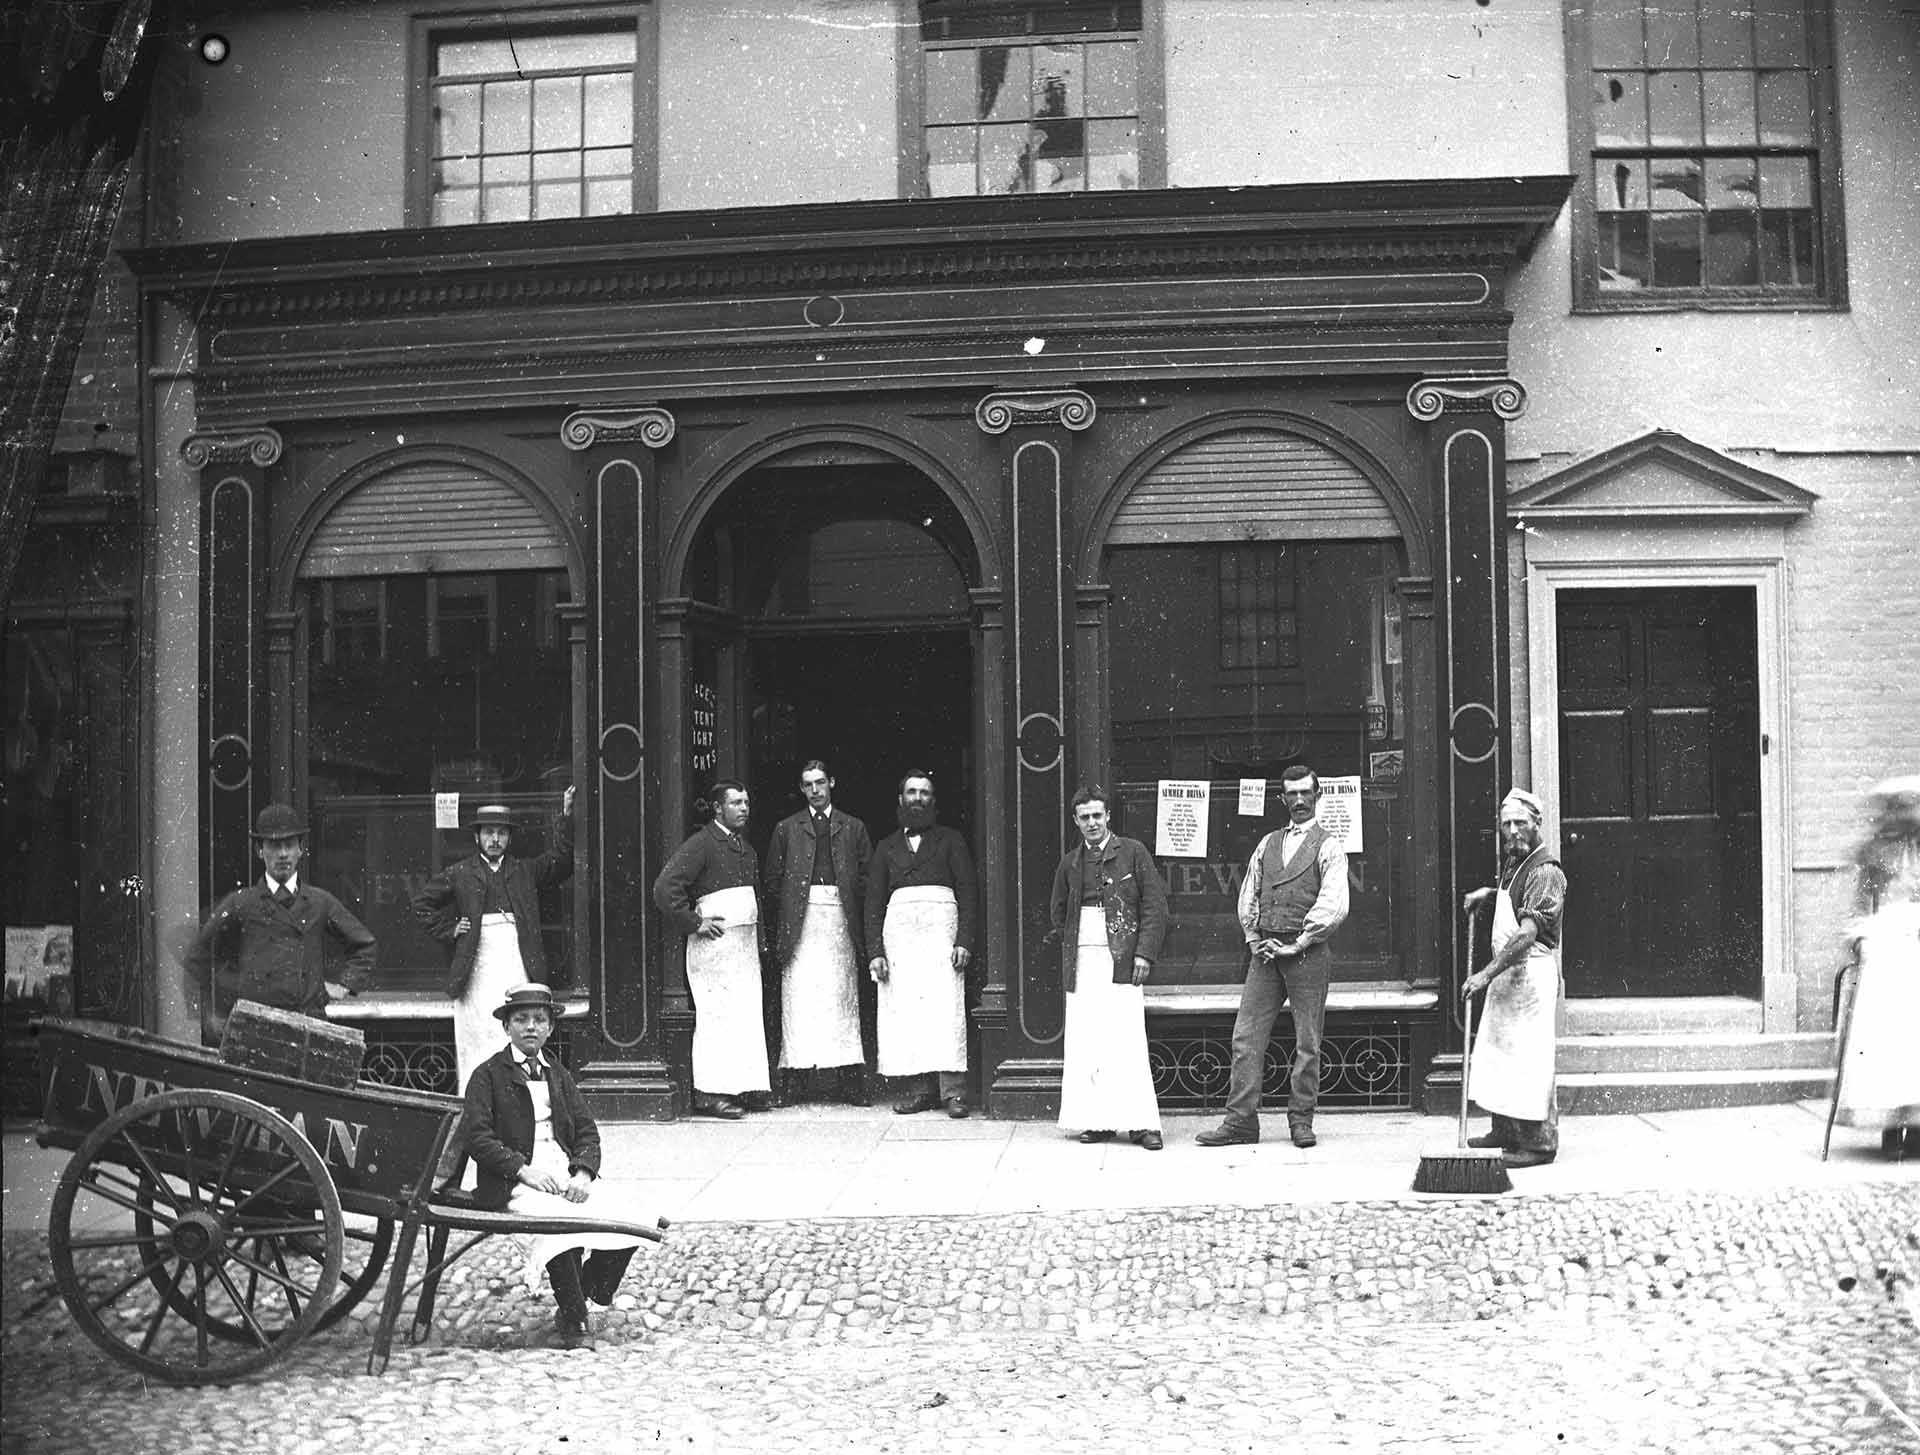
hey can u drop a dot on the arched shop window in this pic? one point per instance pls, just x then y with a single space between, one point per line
1255 625
436 664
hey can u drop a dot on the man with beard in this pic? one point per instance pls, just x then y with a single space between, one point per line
923 919
1512 1063
487 908
1294 897
816 872
708 892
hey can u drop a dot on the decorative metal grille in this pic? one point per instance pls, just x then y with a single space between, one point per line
419 1057
1367 1068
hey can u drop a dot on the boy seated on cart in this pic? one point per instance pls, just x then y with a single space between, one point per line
537 1151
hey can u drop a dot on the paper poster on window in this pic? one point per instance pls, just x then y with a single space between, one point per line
1180 818
1388 766
1340 811
446 810
1253 797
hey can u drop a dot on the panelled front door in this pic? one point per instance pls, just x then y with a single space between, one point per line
1660 792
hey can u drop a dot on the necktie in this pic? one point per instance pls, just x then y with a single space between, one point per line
533 1069
282 895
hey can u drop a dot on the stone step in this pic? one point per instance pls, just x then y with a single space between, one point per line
1599 1092
1623 1054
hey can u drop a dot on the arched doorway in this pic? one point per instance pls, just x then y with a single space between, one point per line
846 634
436 674
1256 622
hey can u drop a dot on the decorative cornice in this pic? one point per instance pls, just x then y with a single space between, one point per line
1000 411
823 256
260 447
652 426
1431 398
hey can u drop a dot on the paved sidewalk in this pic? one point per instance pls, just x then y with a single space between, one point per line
838 1162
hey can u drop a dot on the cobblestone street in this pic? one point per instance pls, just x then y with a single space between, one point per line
1779 1321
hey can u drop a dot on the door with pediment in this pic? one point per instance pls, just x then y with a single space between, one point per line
1660 792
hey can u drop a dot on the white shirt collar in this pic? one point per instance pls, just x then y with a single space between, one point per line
1301 828
292 885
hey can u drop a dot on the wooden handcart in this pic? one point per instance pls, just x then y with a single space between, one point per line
213 1216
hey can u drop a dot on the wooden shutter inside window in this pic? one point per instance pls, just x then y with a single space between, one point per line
1252 485
433 518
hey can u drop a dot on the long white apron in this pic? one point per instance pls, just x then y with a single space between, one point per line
1880 1080
477 1031
729 1036
548 1156
1107 1081
923 1000
1512 1071
819 1004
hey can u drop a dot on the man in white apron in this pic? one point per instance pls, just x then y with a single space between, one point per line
709 892
1512 1064
486 907
922 924
815 877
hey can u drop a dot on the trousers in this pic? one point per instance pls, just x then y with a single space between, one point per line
1299 983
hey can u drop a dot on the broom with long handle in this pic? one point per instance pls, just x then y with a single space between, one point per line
1464 1169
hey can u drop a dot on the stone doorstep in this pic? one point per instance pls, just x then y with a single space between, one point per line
1682 1052
1586 1093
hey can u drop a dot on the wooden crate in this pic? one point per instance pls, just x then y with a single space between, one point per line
266 1038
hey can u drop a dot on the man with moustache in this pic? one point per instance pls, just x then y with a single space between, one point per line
708 891
1294 898
923 919
1109 909
816 874
1513 1048
487 908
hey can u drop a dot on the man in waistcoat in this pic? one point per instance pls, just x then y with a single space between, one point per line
1513 1047
269 941
815 886
1294 898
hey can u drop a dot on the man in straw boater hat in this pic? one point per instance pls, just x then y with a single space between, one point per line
537 1148
269 942
1512 1075
486 908
709 892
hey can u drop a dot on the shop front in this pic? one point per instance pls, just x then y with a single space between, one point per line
1168 491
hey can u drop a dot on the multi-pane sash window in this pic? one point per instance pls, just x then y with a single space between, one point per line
1705 133
1259 626
1031 98
532 125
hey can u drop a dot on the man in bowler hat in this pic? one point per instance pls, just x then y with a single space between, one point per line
269 941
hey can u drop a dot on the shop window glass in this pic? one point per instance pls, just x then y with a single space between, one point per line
469 694
532 124
1707 173
1309 671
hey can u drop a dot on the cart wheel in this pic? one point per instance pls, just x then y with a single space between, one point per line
365 1245
235 1223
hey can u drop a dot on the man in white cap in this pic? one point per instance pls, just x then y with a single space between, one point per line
487 908
1512 1075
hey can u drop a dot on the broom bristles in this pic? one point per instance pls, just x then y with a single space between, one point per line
1462 1170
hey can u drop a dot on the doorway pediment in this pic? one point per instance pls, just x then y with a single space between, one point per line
1660 476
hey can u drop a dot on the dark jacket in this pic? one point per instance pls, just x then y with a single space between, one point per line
498 1124
259 950
710 859
460 890
1132 896
789 874
943 859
